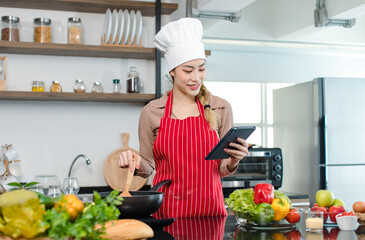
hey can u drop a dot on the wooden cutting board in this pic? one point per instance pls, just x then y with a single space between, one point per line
114 175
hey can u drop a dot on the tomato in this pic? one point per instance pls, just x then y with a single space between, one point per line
293 235
293 216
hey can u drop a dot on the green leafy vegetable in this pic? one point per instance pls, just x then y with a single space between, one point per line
23 220
241 200
100 211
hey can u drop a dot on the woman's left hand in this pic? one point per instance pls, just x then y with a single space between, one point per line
236 154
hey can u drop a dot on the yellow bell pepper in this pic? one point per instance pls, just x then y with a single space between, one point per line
72 204
281 208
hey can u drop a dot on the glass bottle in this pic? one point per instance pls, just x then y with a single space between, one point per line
133 84
116 86
97 88
79 86
42 30
74 31
56 87
37 86
10 28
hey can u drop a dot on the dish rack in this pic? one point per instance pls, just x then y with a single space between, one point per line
130 43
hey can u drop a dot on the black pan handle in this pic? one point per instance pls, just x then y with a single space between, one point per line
159 185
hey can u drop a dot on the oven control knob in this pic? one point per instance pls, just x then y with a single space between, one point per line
277 158
277 177
277 168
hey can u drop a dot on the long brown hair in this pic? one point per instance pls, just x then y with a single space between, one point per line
204 98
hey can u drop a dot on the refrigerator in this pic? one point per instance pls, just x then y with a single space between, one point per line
320 127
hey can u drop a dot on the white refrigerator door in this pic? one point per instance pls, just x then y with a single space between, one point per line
344 108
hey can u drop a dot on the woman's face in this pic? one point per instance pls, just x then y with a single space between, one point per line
189 76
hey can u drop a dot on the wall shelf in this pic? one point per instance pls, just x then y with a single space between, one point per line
92 6
56 49
76 97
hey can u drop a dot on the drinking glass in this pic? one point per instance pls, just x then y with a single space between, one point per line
314 221
46 181
70 185
54 191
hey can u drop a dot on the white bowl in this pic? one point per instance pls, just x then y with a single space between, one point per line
347 223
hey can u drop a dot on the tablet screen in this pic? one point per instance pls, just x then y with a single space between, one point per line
231 136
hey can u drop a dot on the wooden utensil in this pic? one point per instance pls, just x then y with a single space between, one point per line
126 193
114 175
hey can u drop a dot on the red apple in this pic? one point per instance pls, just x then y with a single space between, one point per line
321 209
334 210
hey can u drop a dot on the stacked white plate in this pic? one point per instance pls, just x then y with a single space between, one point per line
123 27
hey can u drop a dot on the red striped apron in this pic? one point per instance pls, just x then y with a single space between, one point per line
179 151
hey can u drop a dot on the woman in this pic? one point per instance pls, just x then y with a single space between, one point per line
178 130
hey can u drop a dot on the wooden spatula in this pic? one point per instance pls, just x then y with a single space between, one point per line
130 174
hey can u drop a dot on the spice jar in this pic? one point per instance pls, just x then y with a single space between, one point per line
42 30
10 28
79 86
116 86
56 87
37 86
97 88
74 29
133 83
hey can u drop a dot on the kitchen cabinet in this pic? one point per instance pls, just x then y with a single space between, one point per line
54 49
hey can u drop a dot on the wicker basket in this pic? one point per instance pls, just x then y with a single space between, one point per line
360 217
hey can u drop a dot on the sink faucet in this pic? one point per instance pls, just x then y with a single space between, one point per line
88 162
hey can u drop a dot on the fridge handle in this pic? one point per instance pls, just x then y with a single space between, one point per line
323 152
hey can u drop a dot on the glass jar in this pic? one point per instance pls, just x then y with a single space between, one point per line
97 88
37 86
79 86
56 87
133 83
42 30
74 30
10 28
116 86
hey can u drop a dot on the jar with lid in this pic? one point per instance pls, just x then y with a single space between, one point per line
116 86
56 87
133 82
37 86
10 28
97 88
74 30
42 30
79 86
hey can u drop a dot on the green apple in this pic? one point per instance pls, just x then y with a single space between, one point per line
338 202
325 198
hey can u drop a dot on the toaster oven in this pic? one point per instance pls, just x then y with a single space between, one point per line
261 165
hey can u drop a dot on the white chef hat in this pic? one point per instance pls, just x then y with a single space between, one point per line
181 41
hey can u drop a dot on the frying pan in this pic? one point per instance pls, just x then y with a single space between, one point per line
141 203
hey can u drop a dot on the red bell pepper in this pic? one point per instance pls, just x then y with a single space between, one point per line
263 193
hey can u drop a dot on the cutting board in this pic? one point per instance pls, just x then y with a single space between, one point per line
114 175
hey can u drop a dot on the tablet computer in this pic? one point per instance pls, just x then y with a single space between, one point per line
231 136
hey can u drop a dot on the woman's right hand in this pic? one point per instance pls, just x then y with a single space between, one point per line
125 159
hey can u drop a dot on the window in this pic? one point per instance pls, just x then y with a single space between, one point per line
252 104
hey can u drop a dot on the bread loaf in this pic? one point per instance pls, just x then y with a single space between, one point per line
124 229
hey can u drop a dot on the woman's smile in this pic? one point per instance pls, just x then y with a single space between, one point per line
194 87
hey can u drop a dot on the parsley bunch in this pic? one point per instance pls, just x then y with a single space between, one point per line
100 211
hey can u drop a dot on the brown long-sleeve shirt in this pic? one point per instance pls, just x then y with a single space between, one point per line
149 124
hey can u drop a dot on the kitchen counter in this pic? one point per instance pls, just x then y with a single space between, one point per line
224 228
